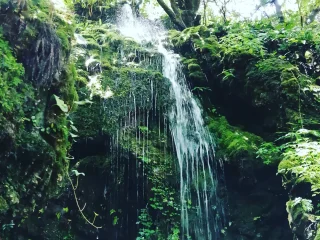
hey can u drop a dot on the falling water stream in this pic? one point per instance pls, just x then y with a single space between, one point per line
200 208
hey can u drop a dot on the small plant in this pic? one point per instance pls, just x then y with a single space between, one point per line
146 231
8 226
115 220
74 188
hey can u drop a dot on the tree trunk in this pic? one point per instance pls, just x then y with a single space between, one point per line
279 10
178 22
313 15
183 13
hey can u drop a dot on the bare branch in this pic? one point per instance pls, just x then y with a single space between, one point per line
81 210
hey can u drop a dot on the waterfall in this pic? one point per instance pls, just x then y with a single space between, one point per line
200 207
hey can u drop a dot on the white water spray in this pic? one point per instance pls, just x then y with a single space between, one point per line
200 207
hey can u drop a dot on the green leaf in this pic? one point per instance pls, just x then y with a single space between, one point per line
78 173
73 135
74 128
115 220
256 218
61 104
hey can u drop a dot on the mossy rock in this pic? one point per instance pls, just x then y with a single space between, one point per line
233 141
197 76
193 67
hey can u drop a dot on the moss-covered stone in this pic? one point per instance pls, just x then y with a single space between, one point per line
233 141
115 85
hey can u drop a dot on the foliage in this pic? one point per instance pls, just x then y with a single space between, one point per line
8 226
260 57
277 77
299 210
146 223
160 171
234 142
301 158
264 63
91 8
14 92
269 153
3 205
242 45
306 204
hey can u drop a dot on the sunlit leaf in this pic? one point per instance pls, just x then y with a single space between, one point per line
61 104
78 173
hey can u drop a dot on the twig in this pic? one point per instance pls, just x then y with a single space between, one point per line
80 210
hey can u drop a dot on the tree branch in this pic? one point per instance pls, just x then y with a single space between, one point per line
181 26
277 6
175 9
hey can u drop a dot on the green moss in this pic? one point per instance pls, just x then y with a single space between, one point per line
131 81
65 33
89 118
13 90
317 237
233 141
68 88
34 132
266 66
3 205
286 164
104 114
242 45
197 76
192 67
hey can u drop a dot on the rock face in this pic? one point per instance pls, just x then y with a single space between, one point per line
122 146
81 104
34 133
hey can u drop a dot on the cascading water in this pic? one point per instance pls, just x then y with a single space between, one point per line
201 211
